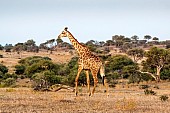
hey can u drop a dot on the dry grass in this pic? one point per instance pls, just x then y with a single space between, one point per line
120 100
129 99
11 59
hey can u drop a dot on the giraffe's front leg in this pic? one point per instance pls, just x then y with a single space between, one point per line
88 82
76 80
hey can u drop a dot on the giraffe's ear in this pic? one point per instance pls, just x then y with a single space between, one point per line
65 28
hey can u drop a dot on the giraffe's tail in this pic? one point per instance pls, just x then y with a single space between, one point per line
102 73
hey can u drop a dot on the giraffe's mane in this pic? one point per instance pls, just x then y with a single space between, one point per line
77 40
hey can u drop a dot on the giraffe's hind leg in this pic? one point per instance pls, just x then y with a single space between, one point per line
76 80
88 82
106 86
94 73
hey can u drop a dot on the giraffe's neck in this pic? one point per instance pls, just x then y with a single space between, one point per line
79 47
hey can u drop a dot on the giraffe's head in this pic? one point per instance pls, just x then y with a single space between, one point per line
64 33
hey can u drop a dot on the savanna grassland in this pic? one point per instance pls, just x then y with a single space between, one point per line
127 99
123 98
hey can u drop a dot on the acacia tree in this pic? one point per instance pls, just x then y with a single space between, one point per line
19 47
155 39
1 47
147 37
136 53
59 42
118 39
135 37
30 45
156 60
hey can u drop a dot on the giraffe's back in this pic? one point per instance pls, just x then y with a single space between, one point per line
90 61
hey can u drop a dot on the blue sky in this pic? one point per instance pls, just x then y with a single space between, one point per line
41 20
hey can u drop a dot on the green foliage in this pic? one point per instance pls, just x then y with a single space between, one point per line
145 77
156 62
9 82
148 37
3 69
36 64
31 60
156 56
136 53
7 79
19 69
46 79
118 64
165 73
92 48
59 41
51 78
41 66
8 75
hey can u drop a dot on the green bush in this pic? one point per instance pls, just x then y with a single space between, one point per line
19 69
32 60
8 75
41 66
9 82
165 74
3 69
46 79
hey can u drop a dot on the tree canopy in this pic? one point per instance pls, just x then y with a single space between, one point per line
157 58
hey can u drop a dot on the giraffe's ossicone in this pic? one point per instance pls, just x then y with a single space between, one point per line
87 61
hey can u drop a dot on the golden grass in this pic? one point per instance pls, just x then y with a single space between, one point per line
122 100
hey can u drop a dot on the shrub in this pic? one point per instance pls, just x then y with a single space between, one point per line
8 75
163 98
144 86
149 92
19 69
3 69
45 79
9 82
1 56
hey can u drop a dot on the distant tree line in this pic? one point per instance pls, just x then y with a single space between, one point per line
120 41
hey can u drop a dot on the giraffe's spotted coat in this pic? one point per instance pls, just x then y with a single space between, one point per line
87 61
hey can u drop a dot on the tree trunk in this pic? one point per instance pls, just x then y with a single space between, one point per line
158 70
152 75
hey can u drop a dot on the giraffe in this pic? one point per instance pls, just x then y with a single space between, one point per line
87 61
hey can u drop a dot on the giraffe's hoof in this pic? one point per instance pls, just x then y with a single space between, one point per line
76 93
89 94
